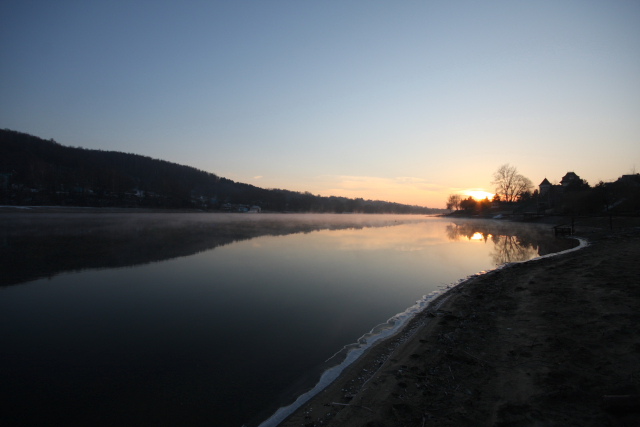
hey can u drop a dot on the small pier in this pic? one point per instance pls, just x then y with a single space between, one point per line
563 229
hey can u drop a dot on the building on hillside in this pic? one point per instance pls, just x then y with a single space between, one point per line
631 180
571 178
545 186
550 196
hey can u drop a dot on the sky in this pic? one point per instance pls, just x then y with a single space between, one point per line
404 101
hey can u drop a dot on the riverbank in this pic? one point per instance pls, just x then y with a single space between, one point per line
553 341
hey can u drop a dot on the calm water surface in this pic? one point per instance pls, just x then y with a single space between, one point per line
210 319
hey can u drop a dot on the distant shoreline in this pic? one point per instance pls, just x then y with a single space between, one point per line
88 209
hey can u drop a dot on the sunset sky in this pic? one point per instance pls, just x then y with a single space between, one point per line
405 101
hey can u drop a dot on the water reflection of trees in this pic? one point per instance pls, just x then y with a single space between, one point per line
510 249
512 242
34 246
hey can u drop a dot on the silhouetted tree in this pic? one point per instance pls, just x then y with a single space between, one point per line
524 196
453 203
509 183
483 205
468 205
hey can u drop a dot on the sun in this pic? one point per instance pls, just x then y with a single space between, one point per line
479 194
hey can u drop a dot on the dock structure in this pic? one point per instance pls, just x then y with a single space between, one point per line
563 229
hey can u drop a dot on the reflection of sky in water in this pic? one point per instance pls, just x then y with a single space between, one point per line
219 336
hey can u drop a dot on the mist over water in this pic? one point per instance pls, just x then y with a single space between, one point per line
211 319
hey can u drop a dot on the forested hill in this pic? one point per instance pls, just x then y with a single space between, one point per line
34 171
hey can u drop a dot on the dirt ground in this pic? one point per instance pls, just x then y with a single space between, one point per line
550 342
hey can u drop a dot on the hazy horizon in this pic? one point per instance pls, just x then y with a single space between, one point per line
404 102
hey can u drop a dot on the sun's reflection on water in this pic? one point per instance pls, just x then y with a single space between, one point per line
510 243
477 236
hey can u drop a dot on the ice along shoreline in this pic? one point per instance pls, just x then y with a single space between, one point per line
399 324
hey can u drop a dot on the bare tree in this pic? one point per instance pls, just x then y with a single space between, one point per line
509 183
454 202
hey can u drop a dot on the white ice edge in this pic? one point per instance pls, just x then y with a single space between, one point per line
391 327
384 330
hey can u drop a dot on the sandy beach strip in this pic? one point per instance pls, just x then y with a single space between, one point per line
555 341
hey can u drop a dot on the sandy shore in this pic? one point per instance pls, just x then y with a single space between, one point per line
551 342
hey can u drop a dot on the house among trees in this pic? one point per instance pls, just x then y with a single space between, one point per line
571 178
550 196
632 180
572 196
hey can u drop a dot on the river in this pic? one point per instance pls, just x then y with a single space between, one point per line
206 319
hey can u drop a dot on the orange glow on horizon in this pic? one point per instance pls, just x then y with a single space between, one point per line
479 194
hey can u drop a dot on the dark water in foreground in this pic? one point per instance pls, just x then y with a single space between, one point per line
168 319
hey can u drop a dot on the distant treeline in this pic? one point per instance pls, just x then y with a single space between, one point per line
35 171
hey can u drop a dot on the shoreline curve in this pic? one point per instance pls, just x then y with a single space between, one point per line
399 324
488 350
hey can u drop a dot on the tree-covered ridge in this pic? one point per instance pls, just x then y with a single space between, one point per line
35 171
